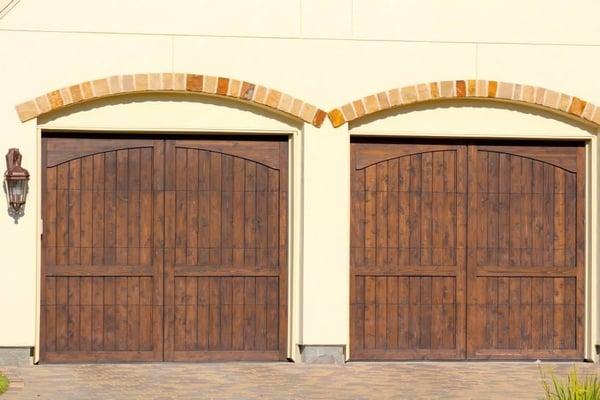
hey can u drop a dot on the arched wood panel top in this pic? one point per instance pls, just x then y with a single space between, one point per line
557 156
561 155
262 152
61 150
366 156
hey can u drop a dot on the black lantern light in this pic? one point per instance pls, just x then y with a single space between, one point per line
16 181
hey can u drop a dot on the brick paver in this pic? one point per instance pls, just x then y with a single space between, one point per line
422 380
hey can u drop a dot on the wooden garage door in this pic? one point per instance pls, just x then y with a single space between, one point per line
137 230
466 250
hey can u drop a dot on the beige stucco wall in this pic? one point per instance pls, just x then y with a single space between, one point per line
325 53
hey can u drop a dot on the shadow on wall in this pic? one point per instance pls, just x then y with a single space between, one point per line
477 104
200 99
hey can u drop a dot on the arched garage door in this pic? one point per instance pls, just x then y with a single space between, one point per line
469 250
164 248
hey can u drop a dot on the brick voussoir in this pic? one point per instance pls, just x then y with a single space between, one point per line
464 89
169 81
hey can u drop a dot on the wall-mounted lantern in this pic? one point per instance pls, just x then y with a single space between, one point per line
16 181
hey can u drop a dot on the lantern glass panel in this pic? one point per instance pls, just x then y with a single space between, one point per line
17 192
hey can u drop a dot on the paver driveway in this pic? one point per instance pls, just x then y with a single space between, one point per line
422 380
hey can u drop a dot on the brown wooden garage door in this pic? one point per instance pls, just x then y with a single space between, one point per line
467 250
164 249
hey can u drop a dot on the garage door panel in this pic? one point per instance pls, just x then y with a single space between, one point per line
226 250
526 277
407 241
101 278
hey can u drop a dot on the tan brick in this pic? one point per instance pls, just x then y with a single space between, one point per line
296 107
154 82
408 94
114 85
423 92
42 104
234 88
194 82
348 112
86 90
564 102
577 106
319 118
517 92
179 81
285 103
210 84
505 90
447 88
222 86
461 90
384 103
472 87
492 88
551 99
100 88
128 85
336 117
140 82
596 117
528 94
247 92
588 111
308 112
66 96
55 99
539 95
27 111
394 97
434 89
260 94
359 108
167 81
273 97
371 104
482 88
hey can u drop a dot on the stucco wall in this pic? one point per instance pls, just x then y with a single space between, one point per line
325 53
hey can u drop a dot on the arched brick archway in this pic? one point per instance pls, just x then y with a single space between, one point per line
171 82
464 89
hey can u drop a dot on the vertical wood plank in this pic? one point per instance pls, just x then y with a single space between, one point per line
371 215
381 212
249 313
239 181
250 214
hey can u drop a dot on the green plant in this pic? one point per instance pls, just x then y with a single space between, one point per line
3 383
574 388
